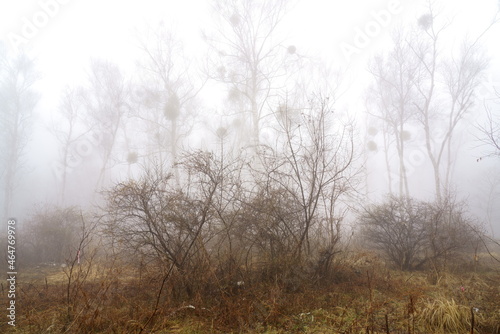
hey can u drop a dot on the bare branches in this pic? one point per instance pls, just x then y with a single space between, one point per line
17 101
490 133
420 84
247 56
106 99
312 164
413 233
392 93
167 93
151 216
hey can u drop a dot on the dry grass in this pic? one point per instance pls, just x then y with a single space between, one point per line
363 296
446 316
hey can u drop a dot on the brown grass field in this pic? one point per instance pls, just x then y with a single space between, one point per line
362 296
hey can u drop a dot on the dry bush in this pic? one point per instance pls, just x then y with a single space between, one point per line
50 234
415 234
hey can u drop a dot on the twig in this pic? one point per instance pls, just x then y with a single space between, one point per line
472 320
158 297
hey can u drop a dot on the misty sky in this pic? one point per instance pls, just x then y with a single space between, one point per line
76 30
64 35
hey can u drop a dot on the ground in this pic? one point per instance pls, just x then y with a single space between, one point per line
363 295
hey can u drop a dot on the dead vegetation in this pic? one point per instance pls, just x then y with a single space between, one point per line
256 247
362 295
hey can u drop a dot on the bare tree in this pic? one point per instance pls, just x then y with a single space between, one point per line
490 133
17 101
489 139
443 105
435 90
68 132
106 99
168 91
312 166
249 56
392 95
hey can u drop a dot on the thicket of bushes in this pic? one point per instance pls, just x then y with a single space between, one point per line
239 233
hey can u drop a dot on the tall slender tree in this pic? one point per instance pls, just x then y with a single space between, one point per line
66 131
424 85
249 57
392 95
446 93
490 130
168 92
17 102
106 99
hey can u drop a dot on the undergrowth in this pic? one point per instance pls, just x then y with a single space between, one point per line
356 298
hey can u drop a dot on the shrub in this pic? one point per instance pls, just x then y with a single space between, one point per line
413 233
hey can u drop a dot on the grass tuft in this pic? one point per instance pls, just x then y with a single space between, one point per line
446 316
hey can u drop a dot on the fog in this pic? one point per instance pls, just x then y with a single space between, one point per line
106 89
249 166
